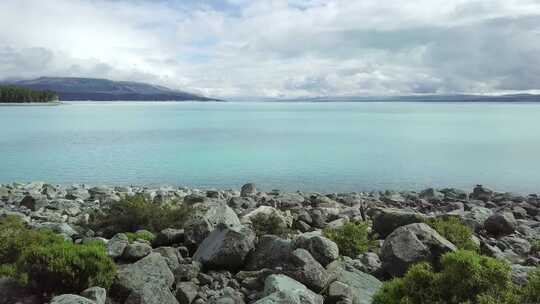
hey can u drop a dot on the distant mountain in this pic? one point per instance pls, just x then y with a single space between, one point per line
426 98
73 89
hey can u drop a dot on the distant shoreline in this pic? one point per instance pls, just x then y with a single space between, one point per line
7 104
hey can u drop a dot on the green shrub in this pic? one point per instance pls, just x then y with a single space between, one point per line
465 277
50 264
65 267
453 230
535 246
352 238
142 234
531 291
269 224
137 213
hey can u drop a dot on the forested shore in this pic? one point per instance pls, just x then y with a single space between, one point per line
15 94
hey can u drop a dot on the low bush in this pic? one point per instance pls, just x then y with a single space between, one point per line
453 230
535 246
465 277
269 224
48 263
65 267
352 238
142 235
137 213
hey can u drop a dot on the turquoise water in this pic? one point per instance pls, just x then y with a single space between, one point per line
307 146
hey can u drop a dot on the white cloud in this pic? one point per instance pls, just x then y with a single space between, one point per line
279 48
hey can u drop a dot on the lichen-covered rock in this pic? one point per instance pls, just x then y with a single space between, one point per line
322 249
206 219
225 248
294 290
363 285
386 220
151 270
302 267
116 245
411 244
136 251
70 299
96 294
502 223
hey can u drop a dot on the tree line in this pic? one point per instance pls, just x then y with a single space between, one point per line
15 94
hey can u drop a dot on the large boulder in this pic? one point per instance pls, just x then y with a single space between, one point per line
71 299
96 294
362 285
225 248
206 219
169 237
136 251
502 223
151 294
411 244
322 249
116 245
152 270
476 216
481 193
294 290
386 220
248 190
282 219
271 252
302 267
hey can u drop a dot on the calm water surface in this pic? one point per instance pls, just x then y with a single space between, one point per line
307 146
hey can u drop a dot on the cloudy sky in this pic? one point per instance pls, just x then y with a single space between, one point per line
279 48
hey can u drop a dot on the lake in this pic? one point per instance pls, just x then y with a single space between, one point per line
340 146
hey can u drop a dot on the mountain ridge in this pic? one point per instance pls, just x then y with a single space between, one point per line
99 89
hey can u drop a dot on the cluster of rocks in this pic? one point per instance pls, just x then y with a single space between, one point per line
217 257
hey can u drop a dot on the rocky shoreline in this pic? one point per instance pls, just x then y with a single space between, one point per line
218 255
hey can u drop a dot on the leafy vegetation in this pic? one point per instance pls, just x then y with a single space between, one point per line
137 213
141 234
465 277
269 224
535 247
453 230
13 94
48 263
352 238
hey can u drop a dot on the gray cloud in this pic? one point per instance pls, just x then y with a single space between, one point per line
278 47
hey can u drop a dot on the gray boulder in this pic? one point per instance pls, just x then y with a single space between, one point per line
322 249
476 216
363 285
70 299
96 294
225 248
339 292
186 292
302 267
152 270
296 291
136 251
151 294
502 223
117 244
271 252
171 255
411 244
206 219
481 193
169 237
386 220
248 190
